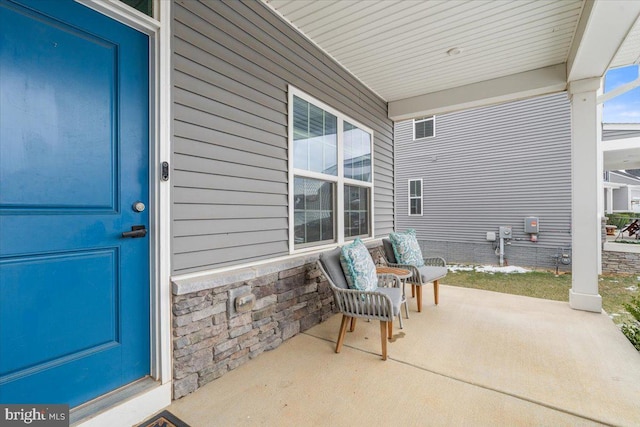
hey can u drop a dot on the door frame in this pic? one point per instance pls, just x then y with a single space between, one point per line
158 29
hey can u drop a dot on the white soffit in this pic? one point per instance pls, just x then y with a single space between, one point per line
602 31
621 154
621 159
399 48
629 52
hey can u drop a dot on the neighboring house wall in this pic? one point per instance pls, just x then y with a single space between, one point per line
622 179
621 199
232 64
613 134
486 168
627 197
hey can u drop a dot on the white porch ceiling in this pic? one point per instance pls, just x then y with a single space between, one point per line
629 52
399 48
622 159
621 154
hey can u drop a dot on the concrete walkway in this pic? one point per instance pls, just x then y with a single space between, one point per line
478 359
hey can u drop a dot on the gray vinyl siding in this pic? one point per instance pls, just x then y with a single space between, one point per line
621 179
612 134
486 168
620 199
232 63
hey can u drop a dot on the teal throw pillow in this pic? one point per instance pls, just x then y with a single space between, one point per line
358 266
406 248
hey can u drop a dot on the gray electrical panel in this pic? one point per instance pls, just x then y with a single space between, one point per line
531 225
505 232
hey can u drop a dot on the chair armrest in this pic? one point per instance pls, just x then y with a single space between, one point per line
385 279
415 274
416 277
370 304
435 261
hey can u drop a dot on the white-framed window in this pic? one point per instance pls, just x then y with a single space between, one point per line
330 174
424 127
144 6
415 197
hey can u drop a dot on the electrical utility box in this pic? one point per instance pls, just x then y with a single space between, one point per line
531 225
505 232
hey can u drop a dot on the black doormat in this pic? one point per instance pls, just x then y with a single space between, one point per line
164 419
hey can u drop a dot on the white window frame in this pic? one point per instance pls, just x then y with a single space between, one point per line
420 120
409 197
339 179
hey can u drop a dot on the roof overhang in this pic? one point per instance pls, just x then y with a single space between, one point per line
601 32
503 89
431 57
621 154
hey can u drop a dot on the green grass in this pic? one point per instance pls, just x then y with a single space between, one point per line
615 290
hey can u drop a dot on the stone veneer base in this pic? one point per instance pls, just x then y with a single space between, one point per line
210 338
621 258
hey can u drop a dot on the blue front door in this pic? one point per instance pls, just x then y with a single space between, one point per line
74 137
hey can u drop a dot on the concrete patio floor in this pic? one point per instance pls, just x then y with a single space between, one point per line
478 359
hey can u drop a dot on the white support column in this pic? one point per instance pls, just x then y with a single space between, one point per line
586 193
609 197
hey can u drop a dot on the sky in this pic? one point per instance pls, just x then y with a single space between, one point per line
624 108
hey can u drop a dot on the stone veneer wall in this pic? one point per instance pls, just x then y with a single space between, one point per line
619 258
620 262
210 338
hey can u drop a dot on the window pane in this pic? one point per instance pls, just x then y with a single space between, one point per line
314 138
415 188
424 129
357 153
144 6
356 211
314 208
416 206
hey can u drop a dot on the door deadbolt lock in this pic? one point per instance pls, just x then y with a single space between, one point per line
138 207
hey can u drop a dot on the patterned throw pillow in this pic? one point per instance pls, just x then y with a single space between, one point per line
406 248
358 266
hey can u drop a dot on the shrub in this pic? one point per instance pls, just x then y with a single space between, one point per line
620 219
634 307
632 330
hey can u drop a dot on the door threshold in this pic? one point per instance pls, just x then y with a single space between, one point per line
100 404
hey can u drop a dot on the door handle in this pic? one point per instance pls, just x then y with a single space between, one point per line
136 231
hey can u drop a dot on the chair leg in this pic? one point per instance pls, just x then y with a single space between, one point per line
390 329
383 336
436 288
343 330
419 297
353 325
413 291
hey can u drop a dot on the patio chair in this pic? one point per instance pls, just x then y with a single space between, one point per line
433 270
633 228
383 304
